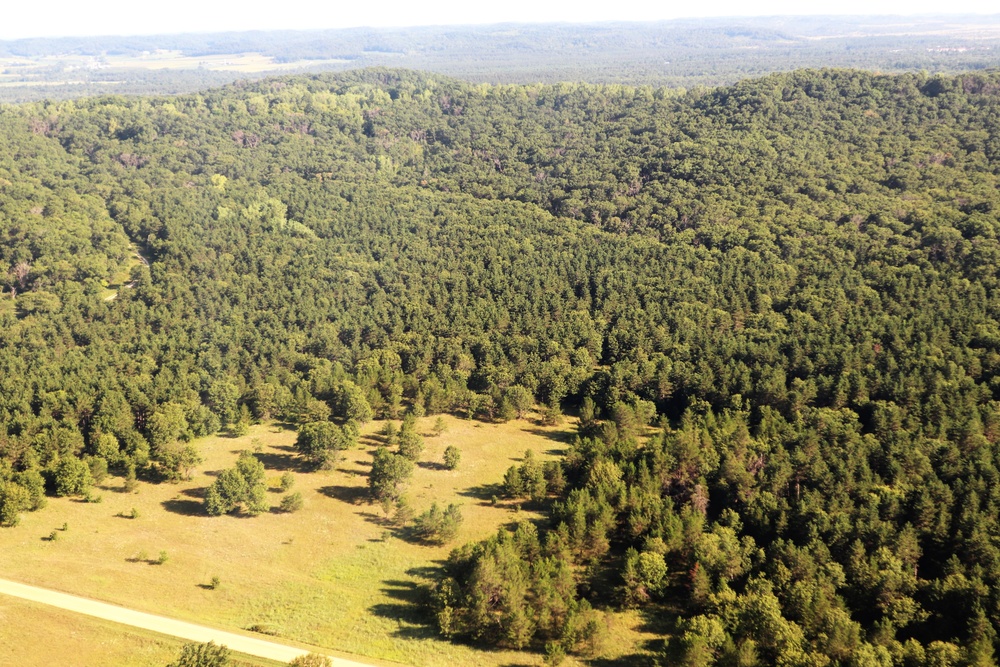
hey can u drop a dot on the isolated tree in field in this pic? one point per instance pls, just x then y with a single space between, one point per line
176 461
452 456
389 475
202 655
242 487
72 477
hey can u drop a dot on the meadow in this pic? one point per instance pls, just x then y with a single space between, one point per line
335 575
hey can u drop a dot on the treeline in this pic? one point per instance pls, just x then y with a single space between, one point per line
792 281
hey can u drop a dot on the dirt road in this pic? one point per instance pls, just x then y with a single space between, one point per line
167 626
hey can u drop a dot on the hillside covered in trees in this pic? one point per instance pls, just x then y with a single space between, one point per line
774 307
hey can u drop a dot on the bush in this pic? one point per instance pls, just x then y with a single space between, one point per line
216 582
287 481
202 655
162 558
452 457
311 660
292 502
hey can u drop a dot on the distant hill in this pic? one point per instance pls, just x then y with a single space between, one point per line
680 53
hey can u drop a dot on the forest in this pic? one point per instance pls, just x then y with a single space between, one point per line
773 308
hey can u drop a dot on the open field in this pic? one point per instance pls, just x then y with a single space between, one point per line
35 635
333 575
246 644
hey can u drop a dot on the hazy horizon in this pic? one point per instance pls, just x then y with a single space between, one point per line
119 18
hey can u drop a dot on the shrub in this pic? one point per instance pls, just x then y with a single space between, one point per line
292 502
311 660
202 655
452 457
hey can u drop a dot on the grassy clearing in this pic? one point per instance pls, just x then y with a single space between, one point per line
333 575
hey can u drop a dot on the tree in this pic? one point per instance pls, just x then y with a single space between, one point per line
72 477
166 425
352 404
222 398
242 487
389 475
202 655
452 457
319 441
14 499
437 525
411 445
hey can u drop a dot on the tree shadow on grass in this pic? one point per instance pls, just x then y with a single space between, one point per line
632 660
564 436
408 607
184 507
485 493
355 495
195 493
432 465
287 459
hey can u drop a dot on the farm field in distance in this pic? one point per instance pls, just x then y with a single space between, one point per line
64 68
333 575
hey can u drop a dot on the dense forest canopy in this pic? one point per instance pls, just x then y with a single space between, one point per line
774 307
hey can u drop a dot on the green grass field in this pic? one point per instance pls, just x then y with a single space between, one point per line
334 575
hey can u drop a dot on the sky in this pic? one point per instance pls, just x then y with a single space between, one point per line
58 18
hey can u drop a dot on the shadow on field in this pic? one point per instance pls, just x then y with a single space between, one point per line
285 460
195 493
565 437
633 660
485 493
432 465
354 495
408 608
184 507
